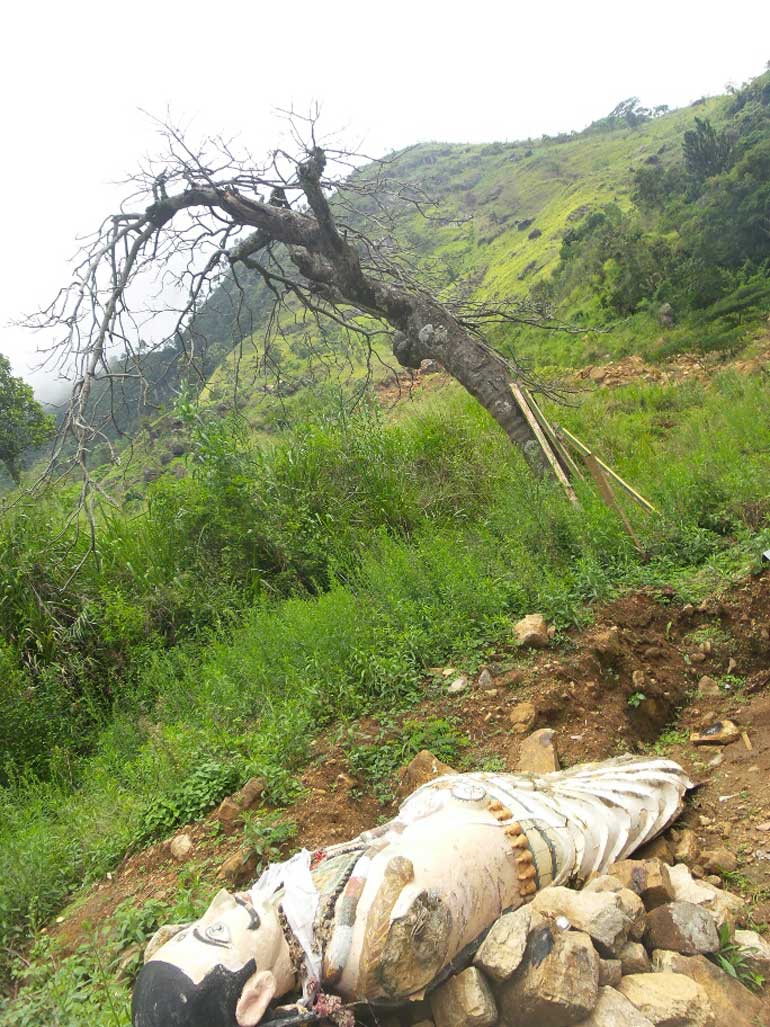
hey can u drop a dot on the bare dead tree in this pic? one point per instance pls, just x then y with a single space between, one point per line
317 228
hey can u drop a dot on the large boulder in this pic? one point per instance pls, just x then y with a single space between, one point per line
522 717
682 927
181 847
557 983
756 951
604 916
668 1000
423 768
723 905
648 878
531 632
465 1000
634 959
732 1003
613 1010
538 754
501 952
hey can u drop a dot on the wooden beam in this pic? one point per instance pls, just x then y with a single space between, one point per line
583 449
605 491
545 445
558 446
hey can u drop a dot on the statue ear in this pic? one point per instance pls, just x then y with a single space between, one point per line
255 998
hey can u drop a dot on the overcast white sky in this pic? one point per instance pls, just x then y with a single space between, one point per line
73 77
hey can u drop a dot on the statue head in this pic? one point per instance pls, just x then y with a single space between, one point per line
220 971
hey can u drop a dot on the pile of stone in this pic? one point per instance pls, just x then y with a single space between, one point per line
631 949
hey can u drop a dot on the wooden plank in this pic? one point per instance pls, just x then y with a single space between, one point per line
545 445
583 449
605 491
556 444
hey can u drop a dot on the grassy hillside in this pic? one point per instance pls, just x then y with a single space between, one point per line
298 565
602 228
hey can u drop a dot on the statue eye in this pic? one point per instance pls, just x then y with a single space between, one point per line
218 933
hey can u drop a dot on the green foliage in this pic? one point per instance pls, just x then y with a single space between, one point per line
23 423
636 699
706 152
667 739
377 763
735 961
266 835
208 783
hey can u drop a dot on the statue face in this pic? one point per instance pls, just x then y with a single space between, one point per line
216 972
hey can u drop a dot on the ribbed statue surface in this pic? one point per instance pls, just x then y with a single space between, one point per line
385 917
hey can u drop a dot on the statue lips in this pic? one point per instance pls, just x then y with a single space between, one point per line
164 996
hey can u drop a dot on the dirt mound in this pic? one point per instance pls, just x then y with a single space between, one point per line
683 368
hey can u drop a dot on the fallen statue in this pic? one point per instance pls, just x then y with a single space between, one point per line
387 916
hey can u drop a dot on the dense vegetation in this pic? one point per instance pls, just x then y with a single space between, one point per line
231 611
23 422
697 236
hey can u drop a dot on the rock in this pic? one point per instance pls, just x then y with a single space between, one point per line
668 999
251 793
485 679
458 685
719 861
723 905
535 234
423 768
634 959
649 879
601 915
538 754
465 1000
756 951
230 810
557 983
659 848
229 814
240 867
731 1002
610 972
708 686
607 646
181 846
722 732
613 1010
682 927
686 847
501 952
522 717
532 631
510 678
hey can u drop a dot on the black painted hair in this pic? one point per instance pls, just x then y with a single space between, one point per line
164 996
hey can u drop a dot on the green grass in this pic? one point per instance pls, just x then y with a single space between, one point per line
448 587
